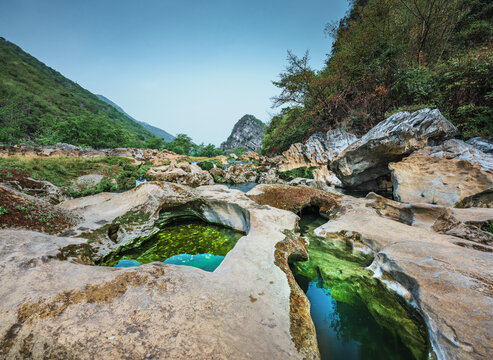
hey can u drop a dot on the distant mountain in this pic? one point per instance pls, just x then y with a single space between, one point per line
39 105
247 133
155 130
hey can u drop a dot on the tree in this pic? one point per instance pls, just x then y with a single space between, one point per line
181 144
436 19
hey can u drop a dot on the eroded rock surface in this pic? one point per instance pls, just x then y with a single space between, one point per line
247 133
53 307
447 278
392 139
295 198
319 150
447 174
182 173
484 145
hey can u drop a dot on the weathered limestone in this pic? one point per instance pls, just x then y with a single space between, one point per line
54 307
40 189
154 156
481 144
448 279
466 224
247 133
319 150
392 139
238 174
323 173
271 176
182 173
312 183
447 174
295 198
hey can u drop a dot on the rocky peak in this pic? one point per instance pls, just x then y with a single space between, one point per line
247 133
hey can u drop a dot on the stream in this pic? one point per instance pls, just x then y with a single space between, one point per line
355 316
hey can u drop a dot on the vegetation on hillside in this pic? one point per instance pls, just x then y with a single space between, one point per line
391 55
39 105
62 171
182 144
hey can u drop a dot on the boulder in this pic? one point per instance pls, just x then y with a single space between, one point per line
271 176
87 181
293 158
337 140
295 198
391 140
449 174
320 149
323 174
481 144
239 174
182 173
312 183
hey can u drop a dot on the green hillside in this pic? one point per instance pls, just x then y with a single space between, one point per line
160 133
39 105
391 55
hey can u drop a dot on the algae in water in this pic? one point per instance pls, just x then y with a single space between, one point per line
191 238
355 316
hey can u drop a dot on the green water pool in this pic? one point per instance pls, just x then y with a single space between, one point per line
194 243
355 316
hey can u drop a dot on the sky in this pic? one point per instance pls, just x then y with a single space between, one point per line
193 67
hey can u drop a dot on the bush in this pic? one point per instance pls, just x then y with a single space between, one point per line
206 165
302 172
416 85
290 127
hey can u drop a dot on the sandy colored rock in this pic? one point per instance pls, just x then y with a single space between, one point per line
241 173
53 307
445 277
450 174
389 141
465 224
182 173
295 198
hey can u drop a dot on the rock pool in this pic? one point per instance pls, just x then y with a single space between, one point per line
194 243
355 316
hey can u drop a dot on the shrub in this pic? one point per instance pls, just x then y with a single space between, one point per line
301 172
206 165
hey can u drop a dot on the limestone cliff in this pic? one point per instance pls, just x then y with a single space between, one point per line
247 133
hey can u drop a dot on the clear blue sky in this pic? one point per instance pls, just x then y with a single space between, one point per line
186 66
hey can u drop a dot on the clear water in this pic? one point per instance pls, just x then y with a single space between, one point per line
194 243
355 317
207 262
245 187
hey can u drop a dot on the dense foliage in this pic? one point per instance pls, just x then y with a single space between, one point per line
391 55
39 105
182 144
301 172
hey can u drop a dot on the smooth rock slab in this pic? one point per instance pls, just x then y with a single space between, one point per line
52 307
